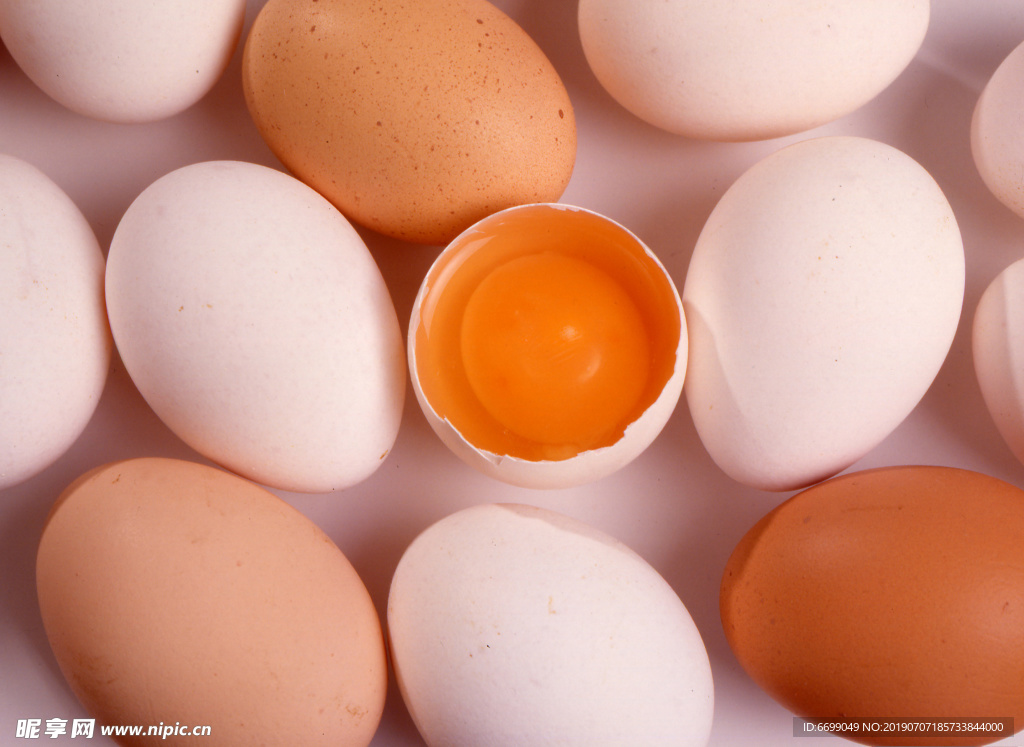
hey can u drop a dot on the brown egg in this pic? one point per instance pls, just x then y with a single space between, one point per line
886 594
178 595
414 119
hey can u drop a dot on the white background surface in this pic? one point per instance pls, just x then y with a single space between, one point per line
672 505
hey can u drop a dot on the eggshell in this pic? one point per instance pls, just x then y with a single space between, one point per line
513 625
996 144
546 225
414 119
254 321
54 340
175 592
998 348
822 298
123 60
889 593
748 70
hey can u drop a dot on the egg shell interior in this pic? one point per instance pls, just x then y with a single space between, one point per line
672 504
436 338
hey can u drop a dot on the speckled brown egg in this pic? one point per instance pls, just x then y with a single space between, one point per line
887 594
414 119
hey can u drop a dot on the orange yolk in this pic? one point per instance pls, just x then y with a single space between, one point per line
544 333
554 349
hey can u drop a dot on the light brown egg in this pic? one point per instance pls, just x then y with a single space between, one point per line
887 594
414 119
173 593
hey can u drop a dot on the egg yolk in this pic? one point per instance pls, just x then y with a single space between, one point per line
554 349
544 333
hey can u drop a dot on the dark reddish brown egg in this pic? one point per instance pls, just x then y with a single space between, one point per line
887 594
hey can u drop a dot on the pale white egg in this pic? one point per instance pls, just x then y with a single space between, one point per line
822 298
996 142
54 341
255 322
748 70
123 60
514 625
998 348
547 346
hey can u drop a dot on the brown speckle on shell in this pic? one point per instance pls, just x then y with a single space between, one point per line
466 133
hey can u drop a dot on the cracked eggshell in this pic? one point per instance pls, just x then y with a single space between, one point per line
55 344
122 60
659 295
822 298
512 624
256 324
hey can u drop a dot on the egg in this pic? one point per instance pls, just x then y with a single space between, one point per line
254 321
547 346
122 60
174 592
821 300
998 345
414 119
996 145
511 625
886 594
55 343
748 70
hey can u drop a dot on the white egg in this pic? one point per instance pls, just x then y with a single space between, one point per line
547 346
822 298
54 341
748 70
514 625
996 142
123 60
256 324
998 347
